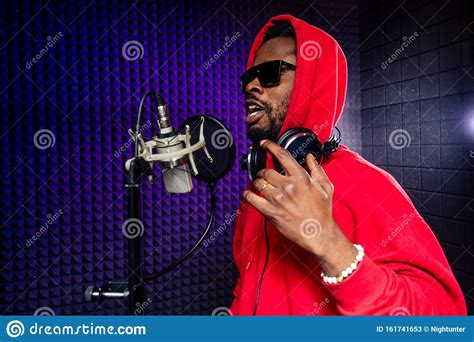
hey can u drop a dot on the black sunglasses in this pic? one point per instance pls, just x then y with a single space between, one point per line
268 73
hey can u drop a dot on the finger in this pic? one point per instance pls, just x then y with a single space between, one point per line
262 185
273 177
317 173
284 157
313 168
266 189
260 203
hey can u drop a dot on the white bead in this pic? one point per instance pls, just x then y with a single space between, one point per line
345 273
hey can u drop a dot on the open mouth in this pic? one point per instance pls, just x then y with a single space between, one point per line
254 112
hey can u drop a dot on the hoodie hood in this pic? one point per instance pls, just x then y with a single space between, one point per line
320 84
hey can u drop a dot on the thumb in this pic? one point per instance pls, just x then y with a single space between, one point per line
312 165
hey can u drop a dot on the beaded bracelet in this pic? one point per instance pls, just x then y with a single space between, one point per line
344 274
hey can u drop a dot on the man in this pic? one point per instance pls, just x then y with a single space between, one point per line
342 238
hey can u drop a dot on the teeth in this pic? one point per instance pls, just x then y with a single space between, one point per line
253 109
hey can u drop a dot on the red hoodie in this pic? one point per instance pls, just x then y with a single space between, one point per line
404 271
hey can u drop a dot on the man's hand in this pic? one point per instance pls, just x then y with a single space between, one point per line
299 205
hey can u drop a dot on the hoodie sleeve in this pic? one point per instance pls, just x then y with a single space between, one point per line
237 253
404 270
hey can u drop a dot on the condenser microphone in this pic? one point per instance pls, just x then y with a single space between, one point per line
202 148
175 171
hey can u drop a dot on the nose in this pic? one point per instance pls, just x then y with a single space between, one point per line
254 87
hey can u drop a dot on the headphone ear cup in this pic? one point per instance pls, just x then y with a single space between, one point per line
260 161
289 134
299 142
254 161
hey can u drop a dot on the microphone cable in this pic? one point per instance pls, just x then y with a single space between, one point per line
211 187
267 243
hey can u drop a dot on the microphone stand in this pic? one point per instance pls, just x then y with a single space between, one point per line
133 290
136 287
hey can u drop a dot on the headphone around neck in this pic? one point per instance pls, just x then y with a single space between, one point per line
299 142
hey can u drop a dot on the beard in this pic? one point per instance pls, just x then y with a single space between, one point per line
275 116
